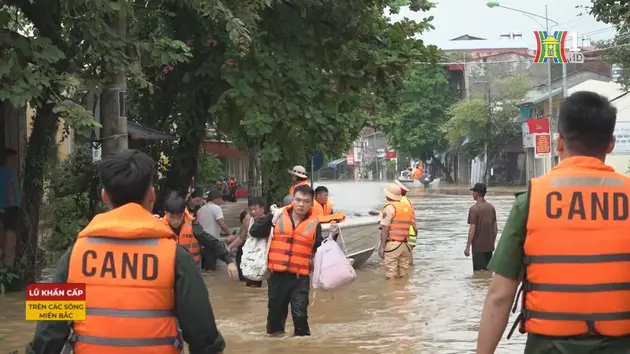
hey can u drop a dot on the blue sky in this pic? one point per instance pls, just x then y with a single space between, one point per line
457 17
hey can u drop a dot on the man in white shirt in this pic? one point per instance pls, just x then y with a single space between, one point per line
210 217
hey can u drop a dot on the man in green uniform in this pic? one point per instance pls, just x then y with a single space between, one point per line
580 110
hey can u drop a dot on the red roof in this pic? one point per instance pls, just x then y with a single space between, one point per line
221 149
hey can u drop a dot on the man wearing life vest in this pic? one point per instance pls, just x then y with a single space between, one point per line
567 240
396 219
412 229
299 176
296 236
417 172
191 236
140 285
322 205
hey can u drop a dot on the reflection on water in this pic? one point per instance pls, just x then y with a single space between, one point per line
435 311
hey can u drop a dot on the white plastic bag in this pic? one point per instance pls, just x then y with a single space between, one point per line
255 253
332 269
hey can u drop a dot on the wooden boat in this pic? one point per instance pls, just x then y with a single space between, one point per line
361 235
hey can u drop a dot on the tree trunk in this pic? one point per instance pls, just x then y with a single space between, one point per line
113 115
183 165
254 187
486 175
42 137
447 173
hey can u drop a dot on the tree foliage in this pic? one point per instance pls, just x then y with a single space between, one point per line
415 128
313 75
280 78
485 125
616 13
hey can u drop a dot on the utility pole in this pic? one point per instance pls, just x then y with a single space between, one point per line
113 106
550 111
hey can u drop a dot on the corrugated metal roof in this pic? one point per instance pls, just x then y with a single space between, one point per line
608 89
137 131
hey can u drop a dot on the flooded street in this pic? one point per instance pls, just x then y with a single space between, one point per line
437 310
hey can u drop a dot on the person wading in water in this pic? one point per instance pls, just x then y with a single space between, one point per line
296 236
256 210
567 240
146 293
190 234
396 219
482 230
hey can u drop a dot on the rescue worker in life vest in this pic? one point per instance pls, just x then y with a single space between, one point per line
396 220
299 176
296 236
567 240
190 234
322 205
412 229
141 286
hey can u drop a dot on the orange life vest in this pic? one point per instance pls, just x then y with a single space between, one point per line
577 252
291 247
336 217
300 183
417 172
186 238
127 259
402 220
328 207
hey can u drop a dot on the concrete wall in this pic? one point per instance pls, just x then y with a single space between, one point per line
620 158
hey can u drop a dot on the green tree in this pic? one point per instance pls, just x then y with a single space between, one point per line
618 48
181 95
314 73
415 127
488 124
53 56
210 168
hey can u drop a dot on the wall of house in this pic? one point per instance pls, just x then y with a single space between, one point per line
620 158
65 144
236 166
481 73
13 129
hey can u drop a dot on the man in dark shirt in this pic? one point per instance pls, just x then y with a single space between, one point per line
285 287
127 177
482 232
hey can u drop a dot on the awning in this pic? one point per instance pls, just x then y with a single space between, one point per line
140 132
334 164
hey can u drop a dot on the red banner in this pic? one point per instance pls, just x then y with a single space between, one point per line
390 155
542 145
538 126
350 159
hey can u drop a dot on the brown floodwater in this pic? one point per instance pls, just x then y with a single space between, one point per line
436 310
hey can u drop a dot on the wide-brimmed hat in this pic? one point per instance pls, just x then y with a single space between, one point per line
402 186
298 171
393 192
